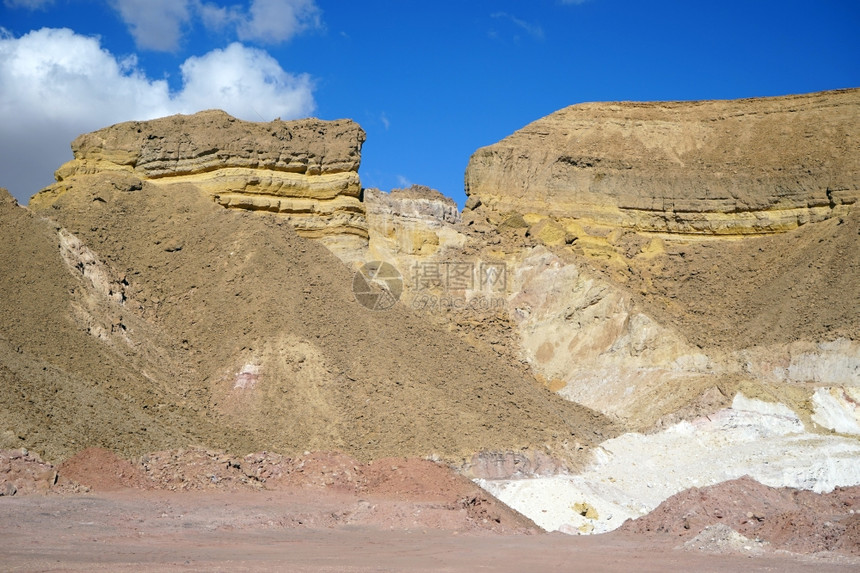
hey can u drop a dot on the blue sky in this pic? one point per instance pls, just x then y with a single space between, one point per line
430 82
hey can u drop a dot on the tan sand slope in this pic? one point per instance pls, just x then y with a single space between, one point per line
233 317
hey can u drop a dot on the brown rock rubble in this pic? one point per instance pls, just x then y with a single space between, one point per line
788 519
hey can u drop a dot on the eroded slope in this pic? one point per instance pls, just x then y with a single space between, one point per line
271 342
67 380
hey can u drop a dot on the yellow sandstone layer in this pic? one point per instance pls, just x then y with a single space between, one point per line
306 170
741 167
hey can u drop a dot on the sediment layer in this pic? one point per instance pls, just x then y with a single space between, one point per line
306 170
751 166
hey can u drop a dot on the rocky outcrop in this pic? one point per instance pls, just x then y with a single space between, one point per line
596 344
413 221
416 202
751 166
306 170
704 246
592 344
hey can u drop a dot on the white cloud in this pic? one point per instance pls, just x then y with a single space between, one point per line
55 85
247 82
217 17
160 24
404 182
276 21
155 24
28 4
57 76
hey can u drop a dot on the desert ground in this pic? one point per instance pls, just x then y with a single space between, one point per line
332 513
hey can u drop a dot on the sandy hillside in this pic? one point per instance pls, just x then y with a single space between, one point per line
64 387
774 289
256 331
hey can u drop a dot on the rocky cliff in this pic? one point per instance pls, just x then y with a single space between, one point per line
306 170
664 251
737 167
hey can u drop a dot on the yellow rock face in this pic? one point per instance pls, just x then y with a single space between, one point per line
585 510
410 224
306 171
549 232
708 168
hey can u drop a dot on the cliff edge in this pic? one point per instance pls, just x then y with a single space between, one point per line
750 166
304 170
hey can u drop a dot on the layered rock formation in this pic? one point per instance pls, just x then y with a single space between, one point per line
414 221
305 170
662 257
710 167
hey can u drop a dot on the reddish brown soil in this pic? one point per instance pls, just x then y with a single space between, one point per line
794 520
207 511
442 497
102 470
318 530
